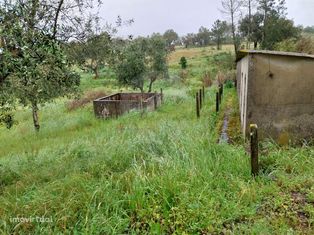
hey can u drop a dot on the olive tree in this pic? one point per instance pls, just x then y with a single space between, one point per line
34 69
143 59
131 69
92 54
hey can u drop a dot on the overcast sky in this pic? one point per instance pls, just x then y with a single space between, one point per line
184 16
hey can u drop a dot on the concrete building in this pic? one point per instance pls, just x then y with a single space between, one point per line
276 92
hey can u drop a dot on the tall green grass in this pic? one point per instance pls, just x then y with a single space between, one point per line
158 173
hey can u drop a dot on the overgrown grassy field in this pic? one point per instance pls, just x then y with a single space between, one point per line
158 173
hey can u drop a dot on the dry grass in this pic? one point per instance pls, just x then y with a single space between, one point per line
86 99
190 53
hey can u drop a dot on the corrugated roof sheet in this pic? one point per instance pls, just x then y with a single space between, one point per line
243 53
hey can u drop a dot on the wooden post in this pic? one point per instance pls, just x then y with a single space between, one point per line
200 97
203 92
217 102
155 100
142 106
161 95
220 93
197 105
254 149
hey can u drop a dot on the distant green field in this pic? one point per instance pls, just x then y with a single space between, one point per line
158 173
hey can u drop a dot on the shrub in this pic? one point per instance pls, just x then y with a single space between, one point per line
303 45
207 82
183 62
229 84
224 61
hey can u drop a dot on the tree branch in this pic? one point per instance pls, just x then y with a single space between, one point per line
55 24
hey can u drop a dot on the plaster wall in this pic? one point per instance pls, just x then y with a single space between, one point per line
278 96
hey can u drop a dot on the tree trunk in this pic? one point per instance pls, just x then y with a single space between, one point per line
96 72
218 44
233 34
152 80
250 25
255 45
35 116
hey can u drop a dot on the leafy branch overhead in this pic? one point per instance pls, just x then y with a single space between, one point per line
34 69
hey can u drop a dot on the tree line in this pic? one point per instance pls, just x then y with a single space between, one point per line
250 24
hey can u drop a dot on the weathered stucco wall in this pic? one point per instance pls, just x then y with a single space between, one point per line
280 96
243 86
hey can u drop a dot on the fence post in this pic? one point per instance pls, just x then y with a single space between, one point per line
197 105
203 92
155 100
161 95
200 97
254 149
217 102
220 91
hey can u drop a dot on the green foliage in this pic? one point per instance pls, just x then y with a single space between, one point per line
252 29
163 173
309 29
229 84
183 62
94 53
276 27
34 68
277 30
286 45
7 119
131 69
269 25
219 30
203 36
224 61
302 45
143 59
156 59
170 36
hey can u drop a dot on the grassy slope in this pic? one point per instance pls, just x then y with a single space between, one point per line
159 173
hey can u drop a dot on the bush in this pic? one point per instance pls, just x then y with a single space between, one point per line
207 82
303 45
229 84
224 61
183 62
286 45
